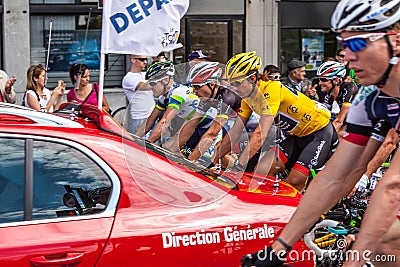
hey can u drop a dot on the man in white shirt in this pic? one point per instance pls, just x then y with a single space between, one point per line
139 96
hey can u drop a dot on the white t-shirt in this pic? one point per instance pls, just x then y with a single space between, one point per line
141 102
43 99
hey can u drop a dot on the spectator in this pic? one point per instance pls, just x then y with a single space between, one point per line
197 56
160 57
7 93
271 72
37 96
84 91
297 80
138 94
182 70
340 54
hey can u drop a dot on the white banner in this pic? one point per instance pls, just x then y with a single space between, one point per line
141 27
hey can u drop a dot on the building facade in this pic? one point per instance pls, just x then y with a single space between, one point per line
278 30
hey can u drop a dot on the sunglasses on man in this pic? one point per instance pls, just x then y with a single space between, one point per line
141 59
239 81
324 80
274 77
153 83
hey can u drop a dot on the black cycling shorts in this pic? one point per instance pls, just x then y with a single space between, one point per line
309 152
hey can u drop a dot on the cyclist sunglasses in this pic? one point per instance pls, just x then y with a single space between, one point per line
324 80
197 86
359 42
153 83
239 81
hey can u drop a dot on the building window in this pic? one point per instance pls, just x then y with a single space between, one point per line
52 1
308 45
220 38
70 44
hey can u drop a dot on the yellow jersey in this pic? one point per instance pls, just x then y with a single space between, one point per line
294 112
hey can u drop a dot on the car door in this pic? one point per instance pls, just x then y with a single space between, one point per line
57 202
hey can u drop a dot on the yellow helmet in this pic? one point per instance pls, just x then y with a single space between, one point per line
240 65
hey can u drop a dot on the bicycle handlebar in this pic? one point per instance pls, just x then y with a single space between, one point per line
310 236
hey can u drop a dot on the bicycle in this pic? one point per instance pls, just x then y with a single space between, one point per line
328 237
120 115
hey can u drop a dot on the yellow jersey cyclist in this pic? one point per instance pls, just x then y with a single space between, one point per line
310 138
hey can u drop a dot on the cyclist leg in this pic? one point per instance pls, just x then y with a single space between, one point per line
265 155
287 151
316 149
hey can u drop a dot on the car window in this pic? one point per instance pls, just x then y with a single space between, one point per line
12 180
65 181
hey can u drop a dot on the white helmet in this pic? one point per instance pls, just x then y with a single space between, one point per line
204 72
331 69
365 15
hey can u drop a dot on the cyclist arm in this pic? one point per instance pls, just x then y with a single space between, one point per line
387 147
256 139
338 122
187 130
163 124
208 137
230 138
146 126
381 212
339 176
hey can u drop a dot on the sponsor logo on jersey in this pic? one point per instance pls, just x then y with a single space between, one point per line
285 122
314 160
306 118
291 110
393 106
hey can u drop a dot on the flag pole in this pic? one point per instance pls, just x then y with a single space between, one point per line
101 79
48 50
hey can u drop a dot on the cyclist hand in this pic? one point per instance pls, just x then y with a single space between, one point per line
262 258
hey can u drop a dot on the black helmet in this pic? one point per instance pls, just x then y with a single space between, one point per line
159 70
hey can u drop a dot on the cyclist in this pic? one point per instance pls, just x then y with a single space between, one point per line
331 75
370 34
388 147
204 77
174 100
311 137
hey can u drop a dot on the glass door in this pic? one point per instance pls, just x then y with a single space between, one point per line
218 38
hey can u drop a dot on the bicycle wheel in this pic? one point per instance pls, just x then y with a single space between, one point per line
120 116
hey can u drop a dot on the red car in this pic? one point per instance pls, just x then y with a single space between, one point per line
77 190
